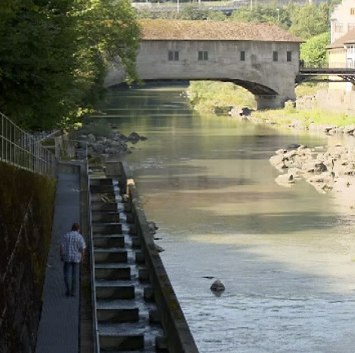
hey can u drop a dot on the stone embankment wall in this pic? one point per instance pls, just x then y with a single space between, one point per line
178 336
334 100
26 209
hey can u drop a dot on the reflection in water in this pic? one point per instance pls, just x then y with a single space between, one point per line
286 256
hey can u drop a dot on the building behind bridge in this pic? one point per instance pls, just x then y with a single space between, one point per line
341 51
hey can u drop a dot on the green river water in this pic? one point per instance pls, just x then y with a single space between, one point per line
285 255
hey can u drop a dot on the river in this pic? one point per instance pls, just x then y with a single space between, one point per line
285 255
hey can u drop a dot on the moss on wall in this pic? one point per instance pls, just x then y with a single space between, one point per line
26 212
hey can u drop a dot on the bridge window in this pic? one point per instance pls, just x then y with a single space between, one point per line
289 56
275 56
173 55
242 55
203 55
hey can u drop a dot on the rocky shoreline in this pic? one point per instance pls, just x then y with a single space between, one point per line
110 145
328 169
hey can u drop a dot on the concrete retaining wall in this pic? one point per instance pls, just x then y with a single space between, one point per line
327 99
26 209
178 335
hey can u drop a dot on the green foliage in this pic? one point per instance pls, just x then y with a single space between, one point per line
309 20
314 52
53 56
216 16
146 13
308 88
206 95
282 117
193 12
261 14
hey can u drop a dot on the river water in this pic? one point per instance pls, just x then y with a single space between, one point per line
285 255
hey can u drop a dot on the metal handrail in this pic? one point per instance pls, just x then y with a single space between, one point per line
92 270
92 261
21 149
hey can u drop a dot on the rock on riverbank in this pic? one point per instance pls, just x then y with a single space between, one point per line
331 169
107 146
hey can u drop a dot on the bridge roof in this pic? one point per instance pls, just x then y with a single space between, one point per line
214 30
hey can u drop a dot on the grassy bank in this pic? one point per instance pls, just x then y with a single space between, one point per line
205 96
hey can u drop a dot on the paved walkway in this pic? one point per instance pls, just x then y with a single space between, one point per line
59 326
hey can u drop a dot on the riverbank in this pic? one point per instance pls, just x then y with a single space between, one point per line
225 98
210 188
326 168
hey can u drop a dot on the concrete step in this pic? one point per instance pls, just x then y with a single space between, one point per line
104 196
101 189
135 329
129 217
143 274
136 242
139 257
120 342
107 228
109 241
110 256
144 350
104 292
101 181
113 273
148 294
155 316
161 345
103 206
122 304
105 217
115 315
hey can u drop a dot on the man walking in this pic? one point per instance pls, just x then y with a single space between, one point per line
71 252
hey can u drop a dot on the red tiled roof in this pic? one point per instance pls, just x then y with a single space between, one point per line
347 38
213 30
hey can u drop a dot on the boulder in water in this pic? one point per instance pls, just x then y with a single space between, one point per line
217 286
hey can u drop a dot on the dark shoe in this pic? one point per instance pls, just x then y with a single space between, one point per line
72 294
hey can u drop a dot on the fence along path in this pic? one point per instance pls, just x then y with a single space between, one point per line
21 149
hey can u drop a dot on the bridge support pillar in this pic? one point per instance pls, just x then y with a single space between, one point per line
270 102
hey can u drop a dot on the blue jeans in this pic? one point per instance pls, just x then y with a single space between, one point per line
70 270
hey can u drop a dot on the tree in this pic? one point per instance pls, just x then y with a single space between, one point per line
194 12
314 52
53 56
260 13
309 20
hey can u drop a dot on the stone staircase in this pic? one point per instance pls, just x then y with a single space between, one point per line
127 318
